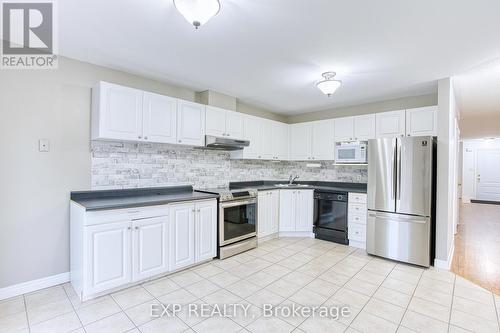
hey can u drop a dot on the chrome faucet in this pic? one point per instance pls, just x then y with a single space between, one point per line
291 179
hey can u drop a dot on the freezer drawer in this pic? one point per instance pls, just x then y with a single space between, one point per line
400 237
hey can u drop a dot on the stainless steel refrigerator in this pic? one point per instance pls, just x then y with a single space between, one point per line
401 187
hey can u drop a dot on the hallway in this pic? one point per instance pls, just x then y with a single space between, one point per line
477 245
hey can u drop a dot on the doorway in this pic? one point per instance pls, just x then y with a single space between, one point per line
488 175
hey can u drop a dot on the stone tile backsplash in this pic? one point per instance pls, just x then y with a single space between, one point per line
129 165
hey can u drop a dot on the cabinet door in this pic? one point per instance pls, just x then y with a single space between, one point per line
344 129
304 210
274 212
266 134
263 214
160 118
364 127
149 247
234 125
390 124
108 256
190 123
206 231
215 121
280 141
287 210
300 141
251 126
323 140
181 247
421 121
120 112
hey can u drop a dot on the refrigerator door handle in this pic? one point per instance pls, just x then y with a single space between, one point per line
399 152
394 173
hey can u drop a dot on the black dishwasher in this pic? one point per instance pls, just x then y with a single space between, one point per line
330 216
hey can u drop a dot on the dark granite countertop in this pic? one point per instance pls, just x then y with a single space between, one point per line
129 198
263 185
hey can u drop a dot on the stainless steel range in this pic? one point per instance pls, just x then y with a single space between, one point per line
237 220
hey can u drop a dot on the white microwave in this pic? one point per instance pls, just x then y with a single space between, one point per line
351 152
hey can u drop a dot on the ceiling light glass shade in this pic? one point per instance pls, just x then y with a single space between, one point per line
328 86
197 12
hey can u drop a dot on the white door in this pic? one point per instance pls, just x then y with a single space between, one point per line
300 141
390 124
274 212
263 200
215 121
266 134
421 121
280 141
323 140
287 210
304 211
344 129
206 231
181 231
488 175
120 112
234 125
160 118
149 247
364 127
251 126
190 123
108 256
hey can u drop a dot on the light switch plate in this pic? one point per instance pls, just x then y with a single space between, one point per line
43 145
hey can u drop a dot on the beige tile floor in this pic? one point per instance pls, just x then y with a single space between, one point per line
383 296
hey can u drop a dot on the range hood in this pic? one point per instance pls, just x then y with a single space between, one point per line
216 143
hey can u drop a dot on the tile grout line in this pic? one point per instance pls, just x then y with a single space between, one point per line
74 309
26 311
452 300
411 298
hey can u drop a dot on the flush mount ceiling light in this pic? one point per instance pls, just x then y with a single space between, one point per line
197 12
328 86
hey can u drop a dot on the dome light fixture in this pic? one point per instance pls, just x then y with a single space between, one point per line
328 86
197 12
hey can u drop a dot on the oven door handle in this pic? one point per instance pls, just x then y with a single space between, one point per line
238 203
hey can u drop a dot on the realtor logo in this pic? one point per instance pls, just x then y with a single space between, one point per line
28 35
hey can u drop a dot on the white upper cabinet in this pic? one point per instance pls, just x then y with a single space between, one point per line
266 134
421 121
280 140
344 129
390 124
300 141
122 113
160 118
116 112
190 123
323 140
224 123
364 127
251 132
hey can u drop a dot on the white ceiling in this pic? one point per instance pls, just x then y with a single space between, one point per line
478 90
269 53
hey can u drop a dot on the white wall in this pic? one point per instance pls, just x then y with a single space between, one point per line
447 172
469 154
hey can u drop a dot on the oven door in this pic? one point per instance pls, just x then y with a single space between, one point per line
237 221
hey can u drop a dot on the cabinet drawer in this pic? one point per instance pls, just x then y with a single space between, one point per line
357 198
116 215
357 208
357 232
357 218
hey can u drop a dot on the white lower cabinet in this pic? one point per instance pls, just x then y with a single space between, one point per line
112 249
268 210
356 219
149 247
107 258
296 212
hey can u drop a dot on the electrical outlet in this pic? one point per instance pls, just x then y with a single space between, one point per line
43 145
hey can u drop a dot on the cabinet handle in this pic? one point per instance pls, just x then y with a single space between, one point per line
180 141
193 210
140 137
145 138
198 210
136 228
129 228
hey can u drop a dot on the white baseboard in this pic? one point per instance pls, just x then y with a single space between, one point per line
34 285
445 264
